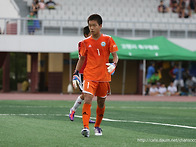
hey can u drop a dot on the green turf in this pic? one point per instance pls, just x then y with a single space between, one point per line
42 123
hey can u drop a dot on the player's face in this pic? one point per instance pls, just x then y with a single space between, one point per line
94 27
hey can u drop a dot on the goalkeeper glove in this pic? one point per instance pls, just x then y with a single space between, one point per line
76 79
111 67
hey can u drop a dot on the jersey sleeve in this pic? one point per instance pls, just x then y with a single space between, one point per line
113 47
83 50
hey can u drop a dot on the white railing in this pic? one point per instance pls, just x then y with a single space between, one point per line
118 28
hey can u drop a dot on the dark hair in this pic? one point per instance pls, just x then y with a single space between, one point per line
95 17
162 83
86 30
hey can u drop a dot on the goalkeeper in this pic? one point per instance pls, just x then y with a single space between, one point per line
79 76
95 50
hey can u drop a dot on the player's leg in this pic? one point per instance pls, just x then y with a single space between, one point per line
86 110
86 113
89 91
101 93
99 115
77 103
90 121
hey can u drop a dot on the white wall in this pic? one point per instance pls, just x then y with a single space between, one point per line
59 44
7 10
186 43
28 43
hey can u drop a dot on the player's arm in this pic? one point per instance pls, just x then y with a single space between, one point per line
112 66
113 49
115 57
80 63
76 79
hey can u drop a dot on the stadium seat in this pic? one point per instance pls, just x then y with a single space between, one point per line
142 14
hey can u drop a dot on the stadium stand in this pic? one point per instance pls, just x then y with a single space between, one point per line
126 10
125 18
126 15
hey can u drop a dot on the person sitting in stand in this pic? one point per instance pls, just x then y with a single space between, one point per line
174 6
162 90
50 4
172 89
153 90
162 8
42 5
184 9
154 78
189 85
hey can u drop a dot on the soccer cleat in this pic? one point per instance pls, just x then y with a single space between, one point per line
91 121
98 131
71 114
85 132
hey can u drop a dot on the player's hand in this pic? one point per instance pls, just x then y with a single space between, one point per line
76 79
111 68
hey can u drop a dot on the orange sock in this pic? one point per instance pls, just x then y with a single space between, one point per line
86 113
99 117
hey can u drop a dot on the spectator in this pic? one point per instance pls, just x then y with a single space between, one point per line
150 72
25 86
153 90
194 84
174 4
162 89
35 2
172 90
160 72
36 24
189 85
171 74
178 76
42 5
192 69
194 80
154 78
35 9
193 5
185 9
50 4
31 27
162 8
185 74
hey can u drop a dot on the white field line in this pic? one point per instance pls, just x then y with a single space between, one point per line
108 107
31 114
107 119
126 107
142 122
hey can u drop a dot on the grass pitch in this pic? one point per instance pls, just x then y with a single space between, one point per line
43 123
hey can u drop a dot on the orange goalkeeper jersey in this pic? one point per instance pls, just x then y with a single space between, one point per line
97 54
